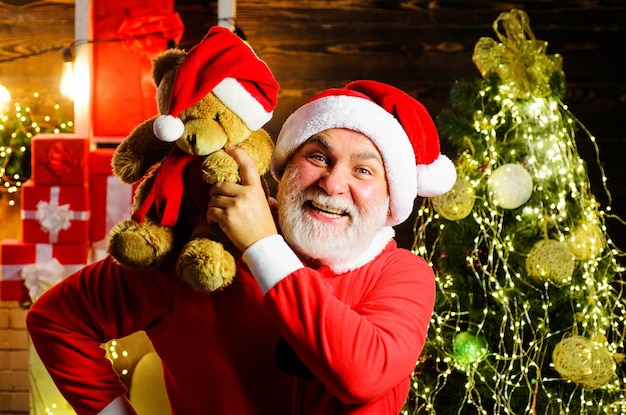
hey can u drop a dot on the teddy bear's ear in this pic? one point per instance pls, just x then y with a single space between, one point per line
170 59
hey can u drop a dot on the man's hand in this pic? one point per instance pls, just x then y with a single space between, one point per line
242 210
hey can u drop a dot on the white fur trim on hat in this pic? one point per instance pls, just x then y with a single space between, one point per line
168 128
242 103
364 116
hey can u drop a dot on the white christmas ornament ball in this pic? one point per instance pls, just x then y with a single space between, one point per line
511 185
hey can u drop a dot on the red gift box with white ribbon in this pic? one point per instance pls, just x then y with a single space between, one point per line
27 270
60 159
55 214
111 199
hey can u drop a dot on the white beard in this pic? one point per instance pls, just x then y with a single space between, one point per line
324 243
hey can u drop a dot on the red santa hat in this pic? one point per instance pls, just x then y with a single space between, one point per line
224 64
397 124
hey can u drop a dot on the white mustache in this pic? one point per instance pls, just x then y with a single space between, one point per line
330 204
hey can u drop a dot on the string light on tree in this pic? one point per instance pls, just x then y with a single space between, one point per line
520 250
17 128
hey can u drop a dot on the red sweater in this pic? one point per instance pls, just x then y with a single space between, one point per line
359 333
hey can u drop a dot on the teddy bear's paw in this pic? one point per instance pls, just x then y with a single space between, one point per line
220 167
206 265
140 245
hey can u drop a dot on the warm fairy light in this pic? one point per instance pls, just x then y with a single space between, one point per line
563 206
118 356
5 99
17 127
484 287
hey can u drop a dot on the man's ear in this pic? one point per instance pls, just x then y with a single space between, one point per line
390 219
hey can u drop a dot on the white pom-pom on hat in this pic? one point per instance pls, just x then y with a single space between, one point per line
436 178
168 128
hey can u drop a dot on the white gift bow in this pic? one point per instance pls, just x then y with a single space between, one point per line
53 218
39 277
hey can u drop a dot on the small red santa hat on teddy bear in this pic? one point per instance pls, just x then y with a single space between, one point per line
224 64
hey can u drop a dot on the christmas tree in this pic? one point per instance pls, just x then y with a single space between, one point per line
18 125
529 317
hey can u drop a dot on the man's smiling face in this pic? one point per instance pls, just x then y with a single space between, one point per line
333 196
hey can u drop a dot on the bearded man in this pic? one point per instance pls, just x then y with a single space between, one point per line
327 315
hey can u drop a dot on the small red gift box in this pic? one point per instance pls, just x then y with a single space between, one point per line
26 270
55 214
60 159
111 199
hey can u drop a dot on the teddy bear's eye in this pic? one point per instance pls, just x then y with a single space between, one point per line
217 117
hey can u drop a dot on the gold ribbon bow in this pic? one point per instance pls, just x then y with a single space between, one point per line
520 60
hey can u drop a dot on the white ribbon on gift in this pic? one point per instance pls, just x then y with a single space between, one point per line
38 278
119 200
53 217
118 208
44 273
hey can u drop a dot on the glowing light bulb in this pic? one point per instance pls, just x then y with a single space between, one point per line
68 83
5 98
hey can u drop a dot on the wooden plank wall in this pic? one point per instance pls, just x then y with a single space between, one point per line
421 46
42 28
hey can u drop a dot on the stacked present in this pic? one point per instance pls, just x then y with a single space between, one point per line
67 209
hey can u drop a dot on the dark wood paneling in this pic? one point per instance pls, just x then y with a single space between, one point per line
423 47
32 28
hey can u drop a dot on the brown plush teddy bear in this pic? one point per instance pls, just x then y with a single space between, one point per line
217 95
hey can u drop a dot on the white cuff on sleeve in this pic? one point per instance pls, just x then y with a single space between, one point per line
118 406
270 260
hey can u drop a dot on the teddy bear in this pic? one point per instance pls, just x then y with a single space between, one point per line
216 95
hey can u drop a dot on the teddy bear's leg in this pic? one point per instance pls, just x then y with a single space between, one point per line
204 262
142 246
206 265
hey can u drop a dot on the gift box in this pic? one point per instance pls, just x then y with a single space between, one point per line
55 214
122 70
27 269
60 159
110 198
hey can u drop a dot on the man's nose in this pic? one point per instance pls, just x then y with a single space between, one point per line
334 181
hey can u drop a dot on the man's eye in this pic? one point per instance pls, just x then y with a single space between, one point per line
318 158
362 170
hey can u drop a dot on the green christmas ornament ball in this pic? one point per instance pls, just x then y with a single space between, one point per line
469 349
